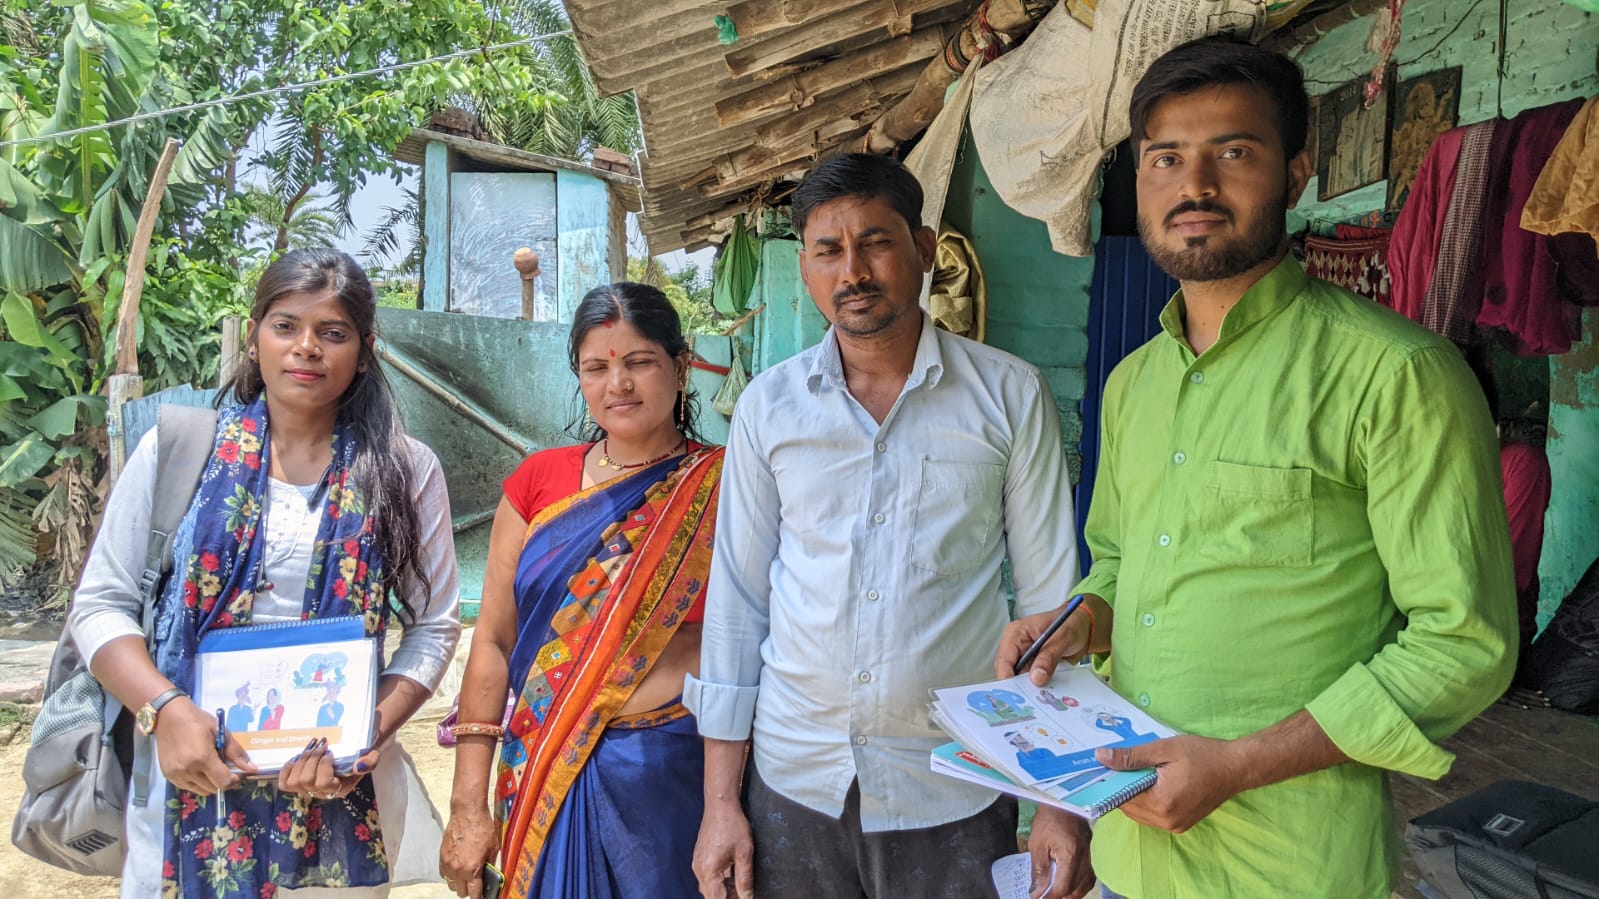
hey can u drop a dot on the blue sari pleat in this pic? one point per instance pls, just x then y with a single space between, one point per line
628 826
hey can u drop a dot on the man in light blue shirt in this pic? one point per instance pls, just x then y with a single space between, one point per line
873 484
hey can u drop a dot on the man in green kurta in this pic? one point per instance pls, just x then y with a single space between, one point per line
1301 560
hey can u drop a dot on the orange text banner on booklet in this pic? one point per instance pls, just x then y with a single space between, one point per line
276 687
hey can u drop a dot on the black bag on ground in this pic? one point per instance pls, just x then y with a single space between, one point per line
1509 840
1563 663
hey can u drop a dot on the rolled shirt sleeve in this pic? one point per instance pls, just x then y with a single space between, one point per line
1438 522
738 597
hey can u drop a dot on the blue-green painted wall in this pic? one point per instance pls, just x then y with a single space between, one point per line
790 322
584 234
436 236
1037 299
1571 530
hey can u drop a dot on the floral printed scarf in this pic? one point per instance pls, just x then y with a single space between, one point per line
257 840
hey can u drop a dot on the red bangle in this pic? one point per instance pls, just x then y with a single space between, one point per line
476 730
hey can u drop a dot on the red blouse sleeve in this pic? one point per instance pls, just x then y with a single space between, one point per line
544 477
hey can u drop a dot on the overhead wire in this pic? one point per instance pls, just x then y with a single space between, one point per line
280 89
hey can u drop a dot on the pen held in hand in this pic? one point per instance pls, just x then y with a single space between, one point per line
1027 658
222 732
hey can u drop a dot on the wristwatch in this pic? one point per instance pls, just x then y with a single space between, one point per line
147 712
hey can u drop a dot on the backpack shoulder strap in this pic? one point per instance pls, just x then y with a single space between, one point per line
184 435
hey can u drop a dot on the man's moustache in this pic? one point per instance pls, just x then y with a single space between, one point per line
1203 206
850 293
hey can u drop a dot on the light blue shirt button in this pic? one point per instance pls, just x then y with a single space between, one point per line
1143 700
1149 620
872 595
1165 540
882 447
878 518
866 677
1197 377
860 741
1179 458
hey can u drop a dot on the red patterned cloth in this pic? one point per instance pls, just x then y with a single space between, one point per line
1359 265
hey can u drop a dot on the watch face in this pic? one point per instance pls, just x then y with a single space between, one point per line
146 720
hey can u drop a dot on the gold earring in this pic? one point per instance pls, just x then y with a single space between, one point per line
682 404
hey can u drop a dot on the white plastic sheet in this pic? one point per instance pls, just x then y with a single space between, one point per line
1044 115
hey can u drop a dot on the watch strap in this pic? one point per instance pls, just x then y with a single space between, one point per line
139 781
156 703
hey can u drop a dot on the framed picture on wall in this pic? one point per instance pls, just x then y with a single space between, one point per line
1424 107
1351 149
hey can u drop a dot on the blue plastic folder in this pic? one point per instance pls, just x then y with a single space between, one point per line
280 686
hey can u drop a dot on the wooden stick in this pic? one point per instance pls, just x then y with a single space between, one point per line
133 286
742 321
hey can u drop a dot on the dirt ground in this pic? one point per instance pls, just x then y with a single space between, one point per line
21 876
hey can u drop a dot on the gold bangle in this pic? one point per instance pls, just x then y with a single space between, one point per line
476 730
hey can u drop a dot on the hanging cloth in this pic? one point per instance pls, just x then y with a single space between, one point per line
1526 294
958 300
733 273
1566 195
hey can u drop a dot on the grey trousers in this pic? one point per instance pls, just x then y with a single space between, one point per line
803 854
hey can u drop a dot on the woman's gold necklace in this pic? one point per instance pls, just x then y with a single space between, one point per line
605 460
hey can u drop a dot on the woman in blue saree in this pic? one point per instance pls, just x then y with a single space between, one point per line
591 609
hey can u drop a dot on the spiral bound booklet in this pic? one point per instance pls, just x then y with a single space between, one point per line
1038 742
279 686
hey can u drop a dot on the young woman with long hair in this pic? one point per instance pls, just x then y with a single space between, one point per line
313 503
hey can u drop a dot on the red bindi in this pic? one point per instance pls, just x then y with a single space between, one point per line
609 325
613 354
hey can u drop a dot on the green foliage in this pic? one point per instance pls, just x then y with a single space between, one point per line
688 289
399 295
70 202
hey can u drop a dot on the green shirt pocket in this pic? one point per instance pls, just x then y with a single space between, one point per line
1252 516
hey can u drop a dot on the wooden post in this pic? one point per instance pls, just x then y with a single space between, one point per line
527 265
232 348
125 384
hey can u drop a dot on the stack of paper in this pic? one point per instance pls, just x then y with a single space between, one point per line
1038 742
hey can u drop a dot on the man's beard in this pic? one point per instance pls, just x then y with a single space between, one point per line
1205 258
865 324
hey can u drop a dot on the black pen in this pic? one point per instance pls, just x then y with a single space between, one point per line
222 744
1032 651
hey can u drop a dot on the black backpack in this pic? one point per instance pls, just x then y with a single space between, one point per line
1563 663
1510 840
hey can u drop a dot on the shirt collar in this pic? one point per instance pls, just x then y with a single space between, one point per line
928 367
1275 289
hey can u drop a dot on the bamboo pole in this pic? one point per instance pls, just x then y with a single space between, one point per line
125 385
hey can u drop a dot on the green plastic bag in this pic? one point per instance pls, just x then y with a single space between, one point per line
733 273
